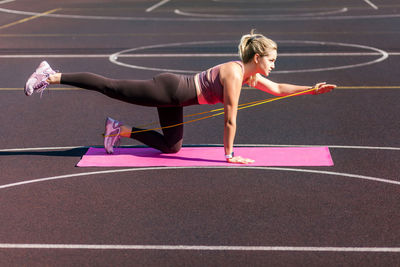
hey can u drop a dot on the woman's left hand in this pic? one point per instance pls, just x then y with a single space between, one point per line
322 88
240 160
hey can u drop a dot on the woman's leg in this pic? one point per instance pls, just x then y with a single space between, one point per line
170 141
156 92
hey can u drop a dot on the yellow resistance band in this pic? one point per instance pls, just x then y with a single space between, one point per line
241 106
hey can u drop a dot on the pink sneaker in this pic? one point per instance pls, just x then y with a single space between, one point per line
38 80
112 135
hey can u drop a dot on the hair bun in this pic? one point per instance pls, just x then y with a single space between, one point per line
251 39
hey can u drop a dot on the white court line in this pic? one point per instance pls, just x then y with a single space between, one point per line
6 1
189 14
349 175
384 55
42 148
157 5
194 19
201 248
218 145
371 4
330 146
333 54
57 56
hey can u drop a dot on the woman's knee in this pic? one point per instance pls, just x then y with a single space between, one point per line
171 149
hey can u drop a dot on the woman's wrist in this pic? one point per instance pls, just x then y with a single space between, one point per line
229 156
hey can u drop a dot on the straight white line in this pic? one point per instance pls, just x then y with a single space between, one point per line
333 54
371 4
201 248
41 148
236 145
382 87
57 56
157 5
330 146
181 55
193 55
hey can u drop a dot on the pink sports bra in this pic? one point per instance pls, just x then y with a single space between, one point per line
208 85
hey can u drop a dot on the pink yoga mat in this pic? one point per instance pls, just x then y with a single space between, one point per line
207 156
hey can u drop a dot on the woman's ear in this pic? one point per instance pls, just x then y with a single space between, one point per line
256 58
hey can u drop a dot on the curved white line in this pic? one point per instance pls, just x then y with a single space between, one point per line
356 176
384 55
266 17
250 18
163 2
114 57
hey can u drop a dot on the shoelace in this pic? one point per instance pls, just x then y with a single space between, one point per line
116 137
42 85
118 141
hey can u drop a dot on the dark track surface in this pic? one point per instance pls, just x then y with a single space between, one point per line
235 207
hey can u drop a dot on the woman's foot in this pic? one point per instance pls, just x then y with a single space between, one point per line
112 135
38 81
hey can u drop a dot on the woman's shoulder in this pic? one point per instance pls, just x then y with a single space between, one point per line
231 70
233 67
234 63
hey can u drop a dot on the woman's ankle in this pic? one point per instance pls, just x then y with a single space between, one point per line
126 131
54 78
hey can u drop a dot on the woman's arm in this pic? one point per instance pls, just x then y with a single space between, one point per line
282 89
232 79
232 88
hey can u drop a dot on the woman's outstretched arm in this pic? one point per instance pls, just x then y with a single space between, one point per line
282 89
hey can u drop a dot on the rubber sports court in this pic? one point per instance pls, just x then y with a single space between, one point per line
56 214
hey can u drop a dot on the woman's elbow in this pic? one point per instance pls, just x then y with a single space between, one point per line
230 123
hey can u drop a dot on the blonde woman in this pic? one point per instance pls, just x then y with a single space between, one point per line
171 92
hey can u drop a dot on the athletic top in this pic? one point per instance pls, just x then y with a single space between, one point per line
208 85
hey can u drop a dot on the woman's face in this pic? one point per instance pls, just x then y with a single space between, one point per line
267 63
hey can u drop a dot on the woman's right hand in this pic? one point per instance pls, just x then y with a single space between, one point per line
322 88
239 160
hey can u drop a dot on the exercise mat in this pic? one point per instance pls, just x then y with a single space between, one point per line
206 156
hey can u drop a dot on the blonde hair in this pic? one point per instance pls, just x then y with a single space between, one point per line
252 44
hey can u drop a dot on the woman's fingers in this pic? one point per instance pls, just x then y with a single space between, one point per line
324 88
240 160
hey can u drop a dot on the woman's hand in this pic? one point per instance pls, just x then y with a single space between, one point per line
239 160
322 88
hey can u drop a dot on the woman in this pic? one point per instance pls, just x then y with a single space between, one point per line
171 92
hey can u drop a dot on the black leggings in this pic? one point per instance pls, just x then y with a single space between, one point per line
168 92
